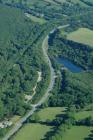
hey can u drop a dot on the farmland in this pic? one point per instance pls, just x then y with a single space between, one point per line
50 113
80 2
35 19
82 35
29 130
32 131
78 133
83 114
37 131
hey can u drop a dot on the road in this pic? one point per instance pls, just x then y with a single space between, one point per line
19 124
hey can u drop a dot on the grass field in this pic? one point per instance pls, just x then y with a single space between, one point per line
82 35
36 19
89 1
74 1
78 133
50 113
83 114
32 132
37 131
79 2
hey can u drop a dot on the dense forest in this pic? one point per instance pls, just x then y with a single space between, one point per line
20 59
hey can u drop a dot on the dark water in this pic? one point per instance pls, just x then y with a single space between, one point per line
69 65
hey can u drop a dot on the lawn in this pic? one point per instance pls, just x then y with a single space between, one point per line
78 133
32 132
82 35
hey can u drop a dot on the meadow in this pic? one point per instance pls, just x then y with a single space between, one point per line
32 132
79 2
83 114
36 19
37 131
50 113
62 1
82 35
78 133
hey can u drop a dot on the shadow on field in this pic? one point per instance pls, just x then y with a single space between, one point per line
55 125
50 133
90 137
46 123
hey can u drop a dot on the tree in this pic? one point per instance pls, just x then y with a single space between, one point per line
2 131
35 118
1 1
89 121
1 109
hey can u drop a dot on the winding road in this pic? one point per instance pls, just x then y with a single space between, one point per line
19 124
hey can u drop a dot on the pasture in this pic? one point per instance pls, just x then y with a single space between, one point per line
82 35
50 113
36 19
37 131
32 132
78 133
79 2
83 114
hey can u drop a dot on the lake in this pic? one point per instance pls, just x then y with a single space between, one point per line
69 65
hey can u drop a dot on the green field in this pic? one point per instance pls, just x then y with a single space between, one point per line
78 133
36 131
88 2
82 35
83 114
50 113
36 19
79 2
32 132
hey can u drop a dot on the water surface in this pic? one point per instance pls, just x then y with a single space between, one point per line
69 65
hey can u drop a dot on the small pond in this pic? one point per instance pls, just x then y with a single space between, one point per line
69 65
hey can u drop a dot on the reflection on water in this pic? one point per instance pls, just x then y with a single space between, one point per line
69 65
